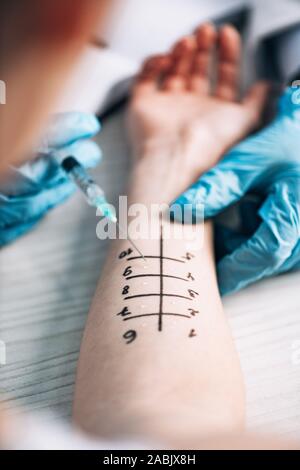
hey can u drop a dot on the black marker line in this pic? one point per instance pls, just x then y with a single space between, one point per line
156 275
155 257
161 267
156 314
157 295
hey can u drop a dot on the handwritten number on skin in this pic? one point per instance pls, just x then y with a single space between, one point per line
128 271
125 312
126 290
193 312
193 293
125 253
188 256
130 336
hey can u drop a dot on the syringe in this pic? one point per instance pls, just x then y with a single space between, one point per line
93 193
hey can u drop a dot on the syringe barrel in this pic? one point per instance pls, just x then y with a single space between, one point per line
82 179
93 193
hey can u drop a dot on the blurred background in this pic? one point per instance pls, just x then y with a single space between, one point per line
44 302
138 28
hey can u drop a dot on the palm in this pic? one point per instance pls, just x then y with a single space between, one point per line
160 114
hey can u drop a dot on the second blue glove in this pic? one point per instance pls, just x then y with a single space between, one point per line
267 164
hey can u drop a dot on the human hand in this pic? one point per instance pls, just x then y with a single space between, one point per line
175 105
267 164
41 184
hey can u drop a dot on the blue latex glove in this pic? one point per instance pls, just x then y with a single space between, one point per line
41 184
267 164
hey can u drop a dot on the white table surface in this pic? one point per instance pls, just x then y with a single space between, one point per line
47 282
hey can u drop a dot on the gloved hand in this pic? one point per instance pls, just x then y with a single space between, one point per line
267 164
41 184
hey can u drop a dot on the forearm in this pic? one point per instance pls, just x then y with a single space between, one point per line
177 367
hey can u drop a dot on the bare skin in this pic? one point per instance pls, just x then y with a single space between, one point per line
180 379
44 52
176 103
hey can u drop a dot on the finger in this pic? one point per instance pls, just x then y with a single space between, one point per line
151 74
183 56
66 128
255 101
178 74
31 178
229 57
206 37
19 182
87 152
174 83
45 171
271 246
226 183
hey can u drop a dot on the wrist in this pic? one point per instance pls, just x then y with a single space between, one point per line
158 176
166 167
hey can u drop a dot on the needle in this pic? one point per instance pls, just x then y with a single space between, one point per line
131 241
93 193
